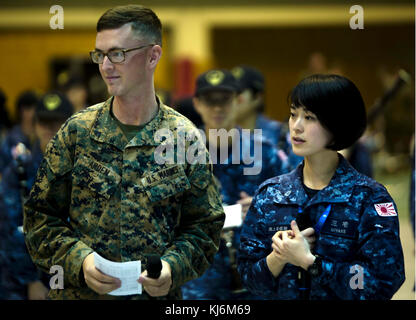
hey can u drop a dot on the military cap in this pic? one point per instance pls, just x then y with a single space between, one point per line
249 78
217 79
54 106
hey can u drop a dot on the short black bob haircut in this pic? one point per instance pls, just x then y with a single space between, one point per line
336 102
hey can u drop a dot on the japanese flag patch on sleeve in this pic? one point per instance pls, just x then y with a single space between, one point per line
385 209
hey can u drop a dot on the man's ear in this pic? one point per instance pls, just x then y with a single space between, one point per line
258 98
239 97
196 104
155 55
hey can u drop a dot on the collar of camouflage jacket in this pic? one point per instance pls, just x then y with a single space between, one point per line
338 190
106 130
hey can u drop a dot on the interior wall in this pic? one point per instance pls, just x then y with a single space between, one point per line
282 55
25 58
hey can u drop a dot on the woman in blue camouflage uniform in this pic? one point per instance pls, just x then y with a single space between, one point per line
355 251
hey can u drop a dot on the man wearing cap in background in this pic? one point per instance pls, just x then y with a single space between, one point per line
251 103
22 132
77 93
215 100
5 123
251 116
21 279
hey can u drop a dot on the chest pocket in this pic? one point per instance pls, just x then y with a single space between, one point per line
344 228
338 239
166 183
91 174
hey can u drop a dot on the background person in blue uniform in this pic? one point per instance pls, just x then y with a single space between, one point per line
251 103
5 122
4 230
21 279
216 101
23 131
357 253
251 113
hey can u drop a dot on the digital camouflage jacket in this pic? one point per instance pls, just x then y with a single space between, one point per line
361 229
96 191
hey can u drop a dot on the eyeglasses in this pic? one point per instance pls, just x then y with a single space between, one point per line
114 55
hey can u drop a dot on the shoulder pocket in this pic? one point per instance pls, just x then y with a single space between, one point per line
165 183
91 174
202 177
57 156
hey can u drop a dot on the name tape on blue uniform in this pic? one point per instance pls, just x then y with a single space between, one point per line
340 228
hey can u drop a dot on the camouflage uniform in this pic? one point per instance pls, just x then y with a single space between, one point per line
277 134
232 178
96 191
354 233
19 269
271 129
4 233
216 283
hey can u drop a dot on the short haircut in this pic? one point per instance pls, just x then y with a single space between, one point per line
338 105
26 100
143 21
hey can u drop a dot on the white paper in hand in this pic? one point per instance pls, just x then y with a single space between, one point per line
233 216
127 272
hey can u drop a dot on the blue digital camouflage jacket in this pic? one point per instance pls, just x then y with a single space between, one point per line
4 230
277 134
12 138
362 229
271 129
232 177
18 268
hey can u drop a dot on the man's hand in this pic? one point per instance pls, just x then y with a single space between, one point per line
96 280
36 291
245 201
160 286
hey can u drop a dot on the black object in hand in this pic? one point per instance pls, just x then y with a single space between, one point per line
154 266
303 221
